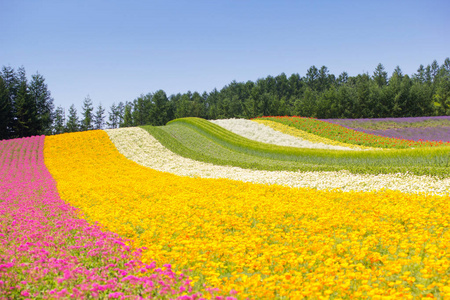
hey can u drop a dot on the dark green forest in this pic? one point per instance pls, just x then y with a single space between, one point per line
26 107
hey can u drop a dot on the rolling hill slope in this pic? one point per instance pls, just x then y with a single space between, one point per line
201 140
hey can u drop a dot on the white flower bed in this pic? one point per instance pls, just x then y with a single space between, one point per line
261 133
138 145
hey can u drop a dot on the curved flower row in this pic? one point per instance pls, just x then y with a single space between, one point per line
289 130
342 134
136 144
93 177
263 241
48 252
266 134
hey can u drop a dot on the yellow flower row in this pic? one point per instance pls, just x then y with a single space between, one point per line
306 135
263 241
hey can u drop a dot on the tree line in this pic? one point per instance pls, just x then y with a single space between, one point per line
26 108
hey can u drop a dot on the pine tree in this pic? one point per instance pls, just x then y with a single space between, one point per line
442 96
342 79
41 96
420 75
113 118
25 109
311 78
58 121
99 117
120 113
6 114
161 112
72 124
380 76
127 117
323 79
11 83
142 107
88 108
434 70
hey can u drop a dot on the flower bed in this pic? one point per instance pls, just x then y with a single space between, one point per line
416 129
263 241
351 136
136 144
265 134
48 252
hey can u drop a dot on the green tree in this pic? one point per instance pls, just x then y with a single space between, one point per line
442 96
446 67
211 103
342 79
198 108
184 106
311 78
434 70
87 113
420 75
11 83
99 117
252 105
142 107
395 104
323 81
26 122
296 86
283 88
72 124
380 75
58 121
363 99
327 107
120 109
41 96
162 111
113 117
344 102
428 76
420 95
307 105
127 116
6 113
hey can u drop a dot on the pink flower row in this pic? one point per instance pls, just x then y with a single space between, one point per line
48 252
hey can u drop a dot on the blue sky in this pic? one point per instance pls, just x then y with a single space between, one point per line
117 50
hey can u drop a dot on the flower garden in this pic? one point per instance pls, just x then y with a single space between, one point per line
203 210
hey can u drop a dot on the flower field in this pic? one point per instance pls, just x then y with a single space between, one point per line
416 129
347 135
47 251
117 214
295 132
265 134
205 141
137 145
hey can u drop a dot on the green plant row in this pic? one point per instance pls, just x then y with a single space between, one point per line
204 141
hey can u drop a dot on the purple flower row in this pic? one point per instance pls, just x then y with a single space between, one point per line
397 120
415 134
48 252
416 129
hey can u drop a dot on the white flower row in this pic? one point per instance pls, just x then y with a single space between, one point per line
138 145
265 134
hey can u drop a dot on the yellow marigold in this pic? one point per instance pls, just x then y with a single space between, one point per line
310 241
